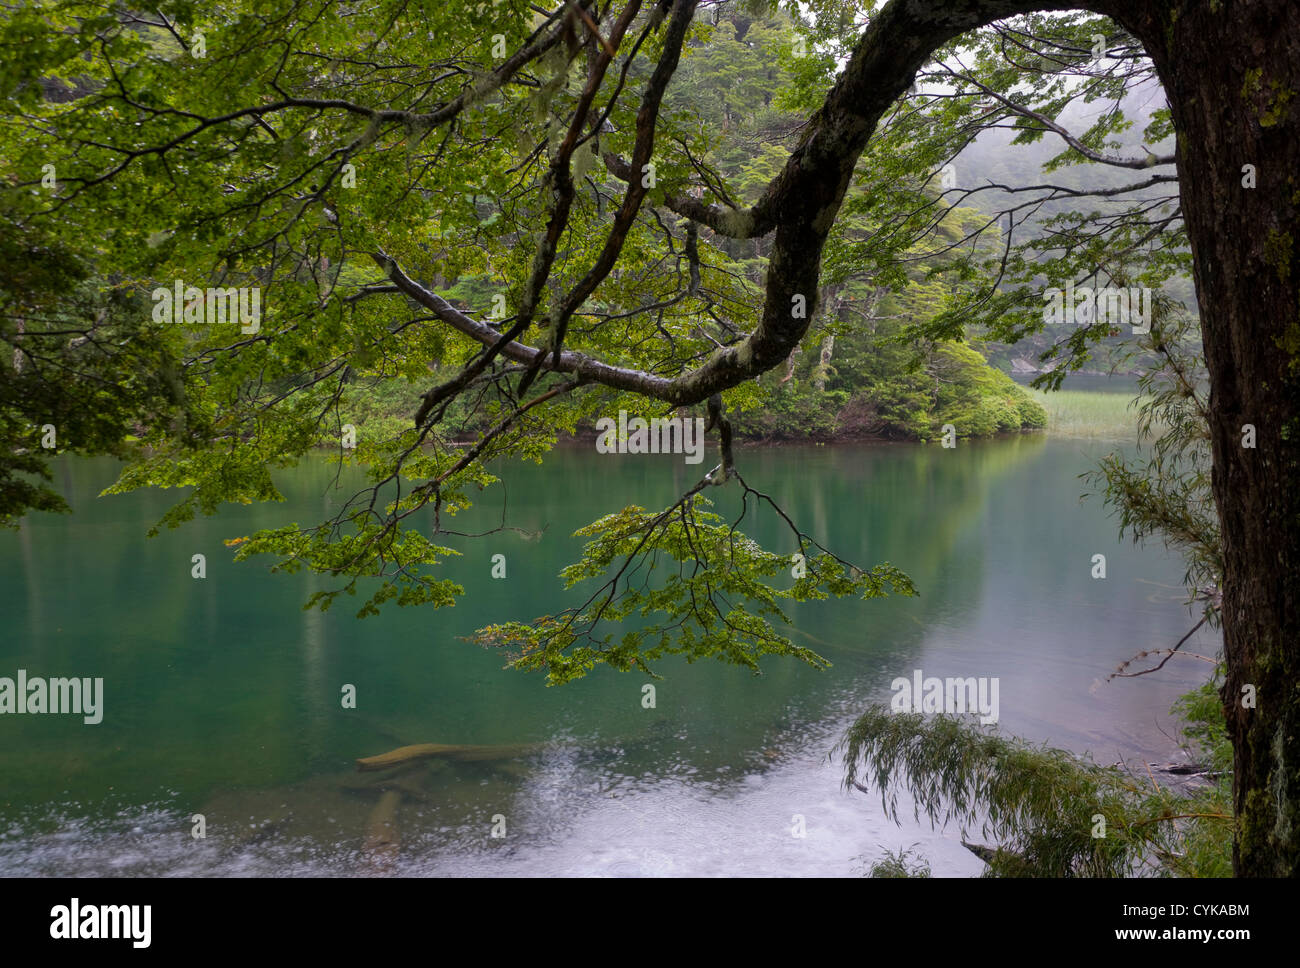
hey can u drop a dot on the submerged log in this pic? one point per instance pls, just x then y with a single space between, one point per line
409 779
403 754
382 835
463 754
1186 769
381 826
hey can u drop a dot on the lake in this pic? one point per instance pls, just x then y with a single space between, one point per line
222 696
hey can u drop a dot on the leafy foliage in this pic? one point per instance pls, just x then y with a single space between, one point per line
1165 493
899 864
705 578
436 204
1041 804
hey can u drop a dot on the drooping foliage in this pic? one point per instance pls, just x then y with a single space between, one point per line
514 222
1052 813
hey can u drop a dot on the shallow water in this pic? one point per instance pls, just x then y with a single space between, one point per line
222 697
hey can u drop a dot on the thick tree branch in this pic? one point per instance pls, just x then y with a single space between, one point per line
1150 161
802 202
646 122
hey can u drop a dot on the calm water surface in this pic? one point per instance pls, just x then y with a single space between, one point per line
222 696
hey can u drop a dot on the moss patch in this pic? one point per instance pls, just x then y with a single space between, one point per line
1278 253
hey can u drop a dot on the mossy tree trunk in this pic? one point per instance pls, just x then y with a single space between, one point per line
1232 75
824 363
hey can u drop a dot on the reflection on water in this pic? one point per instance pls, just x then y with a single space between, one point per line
222 695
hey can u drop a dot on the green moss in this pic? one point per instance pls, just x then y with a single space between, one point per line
1289 343
1251 84
1277 110
1278 253
1281 96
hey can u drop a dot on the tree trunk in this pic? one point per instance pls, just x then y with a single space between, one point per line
832 298
824 366
1232 75
789 365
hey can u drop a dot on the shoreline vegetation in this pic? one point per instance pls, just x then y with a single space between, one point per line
1099 414
995 407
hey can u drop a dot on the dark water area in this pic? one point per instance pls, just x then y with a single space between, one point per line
222 696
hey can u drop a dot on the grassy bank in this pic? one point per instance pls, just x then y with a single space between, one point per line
1088 413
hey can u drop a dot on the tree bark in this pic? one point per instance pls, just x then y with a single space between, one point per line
1231 72
824 365
789 365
